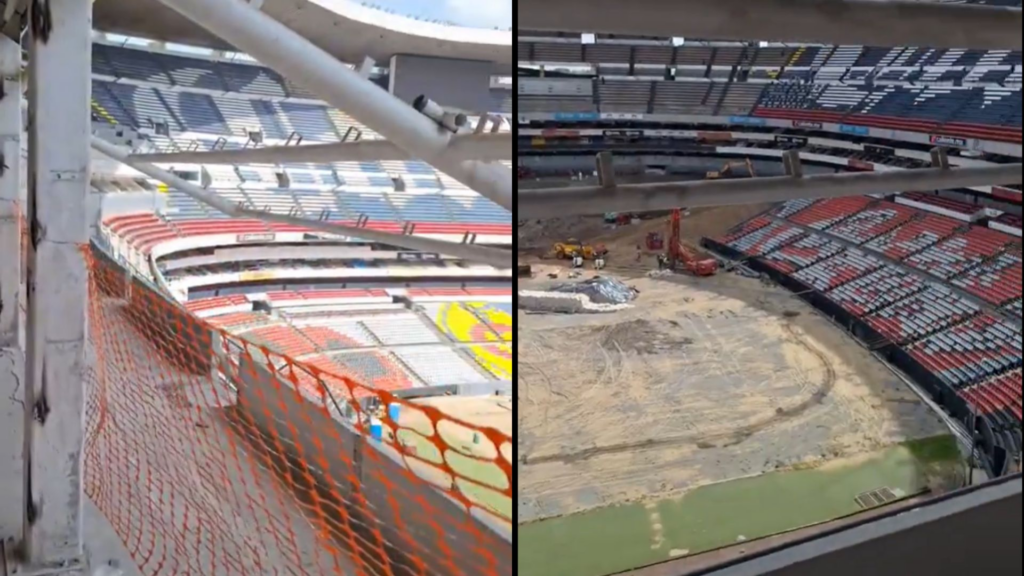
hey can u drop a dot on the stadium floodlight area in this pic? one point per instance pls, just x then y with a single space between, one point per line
857 22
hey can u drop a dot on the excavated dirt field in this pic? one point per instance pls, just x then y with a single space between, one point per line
703 381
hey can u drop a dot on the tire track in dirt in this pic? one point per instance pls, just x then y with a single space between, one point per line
717 440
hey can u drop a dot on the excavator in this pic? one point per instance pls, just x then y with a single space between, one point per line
680 255
727 170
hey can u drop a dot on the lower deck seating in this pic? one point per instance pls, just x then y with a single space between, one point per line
439 365
766 239
960 252
997 281
932 309
918 234
971 352
1000 397
843 269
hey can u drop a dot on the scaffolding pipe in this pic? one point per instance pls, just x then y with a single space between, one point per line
831 22
478 146
298 59
592 200
496 257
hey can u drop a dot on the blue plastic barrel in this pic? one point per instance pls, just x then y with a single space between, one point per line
376 429
393 412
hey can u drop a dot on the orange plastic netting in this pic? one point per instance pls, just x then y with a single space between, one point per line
211 455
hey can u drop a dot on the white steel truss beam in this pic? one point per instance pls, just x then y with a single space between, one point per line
470 146
592 200
60 49
857 22
12 324
296 58
493 256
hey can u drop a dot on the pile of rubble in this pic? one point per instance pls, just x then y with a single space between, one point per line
600 290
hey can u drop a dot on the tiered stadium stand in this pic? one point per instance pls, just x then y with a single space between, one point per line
917 235
999 398
1014 308
877 290
199 306
745 228
395 330
959 252
766 239
922 314
438 365
204 104
283 339
997 281
940 205
498 317
958 335
377 369
970 93
835 272
238 321
805 252
825 213
971 352
872 222
790 207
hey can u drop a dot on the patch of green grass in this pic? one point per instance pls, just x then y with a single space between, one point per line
486 473
934 450
618 538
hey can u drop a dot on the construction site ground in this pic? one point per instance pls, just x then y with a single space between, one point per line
715 411
489 479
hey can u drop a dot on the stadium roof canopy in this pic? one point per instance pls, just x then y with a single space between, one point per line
344 28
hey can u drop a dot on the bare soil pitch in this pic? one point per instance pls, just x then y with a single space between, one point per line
704 380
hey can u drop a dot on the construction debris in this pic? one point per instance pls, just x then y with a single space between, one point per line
600 290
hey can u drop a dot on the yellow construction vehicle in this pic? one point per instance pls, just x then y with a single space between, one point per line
565 250
729 169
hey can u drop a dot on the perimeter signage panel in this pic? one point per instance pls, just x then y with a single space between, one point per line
943 140
255 237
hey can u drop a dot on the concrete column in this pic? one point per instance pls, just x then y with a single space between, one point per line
12 325
59 94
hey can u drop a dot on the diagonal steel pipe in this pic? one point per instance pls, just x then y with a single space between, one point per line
478 146
493 256
592 200
298 59
856 22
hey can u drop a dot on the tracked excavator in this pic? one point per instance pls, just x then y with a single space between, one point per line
729 169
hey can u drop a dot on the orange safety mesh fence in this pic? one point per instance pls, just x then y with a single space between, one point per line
211 455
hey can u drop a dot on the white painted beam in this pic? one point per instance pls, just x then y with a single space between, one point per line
59 89
12 325
295 57
592 200
857 22
470 146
